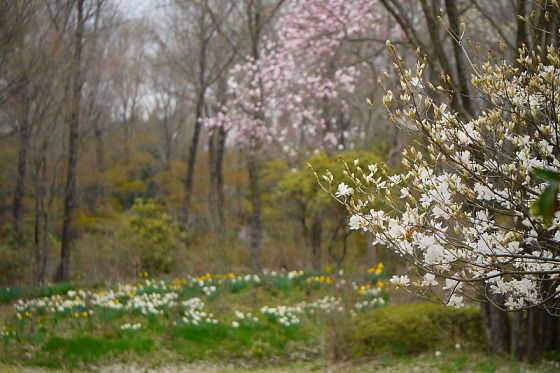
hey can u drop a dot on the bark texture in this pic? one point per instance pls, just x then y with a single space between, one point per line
70 195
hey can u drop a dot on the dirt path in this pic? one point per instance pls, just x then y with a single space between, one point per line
408 366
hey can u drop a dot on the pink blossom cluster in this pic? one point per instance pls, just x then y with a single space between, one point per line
294 91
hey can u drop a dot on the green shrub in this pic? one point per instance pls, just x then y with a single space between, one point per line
12 257
414 328
154 234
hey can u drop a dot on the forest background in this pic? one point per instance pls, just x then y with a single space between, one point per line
177 138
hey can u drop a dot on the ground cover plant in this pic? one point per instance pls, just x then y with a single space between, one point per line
294 321
268 317
289 321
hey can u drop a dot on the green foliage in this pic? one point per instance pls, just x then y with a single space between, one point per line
12 256
132 177
282 283
53 289
415 328
302 184
302 198
9 294
547 203
154 234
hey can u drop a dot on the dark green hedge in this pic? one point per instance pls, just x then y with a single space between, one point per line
415 328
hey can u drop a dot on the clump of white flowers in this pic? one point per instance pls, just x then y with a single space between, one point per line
129 326
369 304
193 313
245 319
295 275
461 209
238 283
284 315
326 304
5 333
290 315
209 290
152 303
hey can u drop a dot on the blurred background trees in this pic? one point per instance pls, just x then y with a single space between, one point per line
208 112
103 106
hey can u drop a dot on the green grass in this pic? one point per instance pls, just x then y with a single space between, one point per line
10 294
227 343
62 341
60 352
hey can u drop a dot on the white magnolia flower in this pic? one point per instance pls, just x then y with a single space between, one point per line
344 190
400 281
429 280
358 222
455 301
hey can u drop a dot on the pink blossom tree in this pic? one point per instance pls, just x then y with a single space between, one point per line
290 93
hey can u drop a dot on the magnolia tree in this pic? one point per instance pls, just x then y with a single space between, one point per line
460 213
291 91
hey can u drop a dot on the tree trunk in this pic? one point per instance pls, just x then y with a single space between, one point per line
345 234
37 232
518 332
42 226
371 251
19 193
189 178
542 334
44 251
316 235
256 205
535 336
438 53
63 271
462 75
99 148
41 239
37 237
496 329
168 140
521 35
216 150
